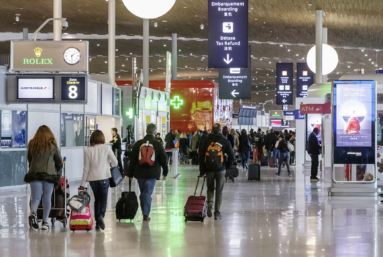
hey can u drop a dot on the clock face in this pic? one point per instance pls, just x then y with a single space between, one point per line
72 55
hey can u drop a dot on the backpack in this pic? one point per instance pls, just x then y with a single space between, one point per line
214 159
258 139
147 156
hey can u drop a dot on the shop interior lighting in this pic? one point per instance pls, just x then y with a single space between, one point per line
149 9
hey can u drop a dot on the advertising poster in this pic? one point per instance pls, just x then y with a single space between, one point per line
314 121
354 107
275 123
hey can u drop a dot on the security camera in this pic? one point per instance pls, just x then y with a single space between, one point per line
64 25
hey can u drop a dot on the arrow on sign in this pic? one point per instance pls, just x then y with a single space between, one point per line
234 93
228 60
284 101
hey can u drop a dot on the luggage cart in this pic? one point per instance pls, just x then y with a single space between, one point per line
58 213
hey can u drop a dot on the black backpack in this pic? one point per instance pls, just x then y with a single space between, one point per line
127 205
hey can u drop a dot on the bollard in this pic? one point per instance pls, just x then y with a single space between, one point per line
175 153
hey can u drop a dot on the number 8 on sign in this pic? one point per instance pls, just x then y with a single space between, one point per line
73 92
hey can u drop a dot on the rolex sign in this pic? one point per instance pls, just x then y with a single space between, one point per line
49 56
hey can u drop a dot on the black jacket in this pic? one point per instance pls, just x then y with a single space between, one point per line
314 147
244 144
270 140
231 139
226 149
259 137
116 143
184 143
160 160
169 139
282 146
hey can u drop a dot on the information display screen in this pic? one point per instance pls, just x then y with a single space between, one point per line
276 123
35 88
354 114
73 88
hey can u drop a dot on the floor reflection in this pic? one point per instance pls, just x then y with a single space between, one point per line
275 217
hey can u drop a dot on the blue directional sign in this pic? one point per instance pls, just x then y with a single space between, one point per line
305 78
284 84
235 83
228 33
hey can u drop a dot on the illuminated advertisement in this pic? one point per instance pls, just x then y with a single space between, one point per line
314 121
276 123
355 104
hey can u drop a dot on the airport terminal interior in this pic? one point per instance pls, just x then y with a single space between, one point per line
191 128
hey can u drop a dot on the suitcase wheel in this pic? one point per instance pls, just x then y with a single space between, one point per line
65 221
73 230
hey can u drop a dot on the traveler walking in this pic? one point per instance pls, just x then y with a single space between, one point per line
314 150
225 131
194 147
159 139
189 136
178 134
259 141
276 152
147 158
117 146
169 139
234 141
213 165
245 148
98 158
284 155
183 147
270 140
45 166
292 153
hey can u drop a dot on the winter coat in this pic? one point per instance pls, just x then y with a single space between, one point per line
244 144
194 143
314 147
169 139
184 143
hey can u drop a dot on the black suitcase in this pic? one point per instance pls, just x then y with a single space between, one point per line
232 173
254 172
264 161
127 205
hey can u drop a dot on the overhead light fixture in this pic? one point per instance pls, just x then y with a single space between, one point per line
329 57
17 17
149 9
155 24
201 26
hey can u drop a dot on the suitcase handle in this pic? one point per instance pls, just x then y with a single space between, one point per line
203 183
130 184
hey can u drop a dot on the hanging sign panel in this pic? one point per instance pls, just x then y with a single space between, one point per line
305 78
354 116
284 84
228 33
235 83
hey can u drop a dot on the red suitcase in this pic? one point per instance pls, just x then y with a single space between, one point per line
81 220
255 155
195 208
271 162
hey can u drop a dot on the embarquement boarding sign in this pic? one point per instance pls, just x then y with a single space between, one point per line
284 83
228 33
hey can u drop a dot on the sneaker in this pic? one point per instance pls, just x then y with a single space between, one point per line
33 221
146 218
98 228
209 214
101 223
289 175
45 226
247 166
314 179
278 174
217 216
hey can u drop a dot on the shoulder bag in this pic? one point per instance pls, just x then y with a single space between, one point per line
116 177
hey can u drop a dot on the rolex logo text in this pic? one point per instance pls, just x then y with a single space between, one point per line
37 61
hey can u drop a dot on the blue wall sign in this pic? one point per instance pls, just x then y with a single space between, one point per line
298 115
228 33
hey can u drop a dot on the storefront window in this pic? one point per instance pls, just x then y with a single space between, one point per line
72 130
13 129
13 167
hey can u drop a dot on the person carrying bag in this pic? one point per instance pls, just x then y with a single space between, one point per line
98 158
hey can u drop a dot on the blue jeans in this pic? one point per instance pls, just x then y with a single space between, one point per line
285 157
182 157
100 190
146 188
245 158
276 156
45 189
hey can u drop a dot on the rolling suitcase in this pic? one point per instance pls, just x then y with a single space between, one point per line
127 205
264 161
195 208
271 162
232 172
255 156
81 220
254 172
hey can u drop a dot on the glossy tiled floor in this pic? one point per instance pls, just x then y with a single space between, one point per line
274 217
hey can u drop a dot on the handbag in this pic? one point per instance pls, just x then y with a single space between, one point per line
116 177
290 146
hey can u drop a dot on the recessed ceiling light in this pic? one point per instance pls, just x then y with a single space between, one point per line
116 50
159 60
201 26
164 45
288 50
348 66
155 24
98 44
362 50
179 50
297 54
123 65
369 59
365 55
106 61
281 45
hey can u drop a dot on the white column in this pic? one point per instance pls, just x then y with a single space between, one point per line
174 56
25 34
112 42
324 34
318 43
57 13
145 54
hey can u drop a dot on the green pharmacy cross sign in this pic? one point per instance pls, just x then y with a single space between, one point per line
176 102
130 113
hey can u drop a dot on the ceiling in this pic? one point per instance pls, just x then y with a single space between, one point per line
279 31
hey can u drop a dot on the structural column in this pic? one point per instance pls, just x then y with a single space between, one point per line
145 54
318 43
57 13
174 56
324 35
112 42
25 34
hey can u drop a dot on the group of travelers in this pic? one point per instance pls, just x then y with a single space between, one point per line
45 163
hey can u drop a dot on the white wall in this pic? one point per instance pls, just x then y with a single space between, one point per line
74 162
105 124
37 119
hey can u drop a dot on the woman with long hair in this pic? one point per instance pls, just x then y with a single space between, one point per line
245 148
98 158
234 141
45 166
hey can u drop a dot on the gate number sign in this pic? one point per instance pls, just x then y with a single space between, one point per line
73 88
